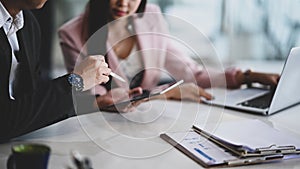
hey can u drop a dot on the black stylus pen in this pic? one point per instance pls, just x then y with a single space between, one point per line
81 162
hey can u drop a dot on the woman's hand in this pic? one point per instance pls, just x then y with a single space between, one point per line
265 78
257 77
117 95
187 91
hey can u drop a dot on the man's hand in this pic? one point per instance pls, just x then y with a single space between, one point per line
93 70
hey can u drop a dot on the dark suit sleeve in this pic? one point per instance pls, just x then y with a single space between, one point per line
49 103
41 103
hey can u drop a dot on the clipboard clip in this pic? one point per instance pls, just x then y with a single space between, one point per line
254 160
274 149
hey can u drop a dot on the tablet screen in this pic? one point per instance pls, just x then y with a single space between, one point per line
161 89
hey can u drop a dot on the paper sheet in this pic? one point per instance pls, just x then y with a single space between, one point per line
254 134
200 147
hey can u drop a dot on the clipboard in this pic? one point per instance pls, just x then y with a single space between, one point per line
211 150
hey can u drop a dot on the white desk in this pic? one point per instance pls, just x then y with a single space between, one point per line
131 140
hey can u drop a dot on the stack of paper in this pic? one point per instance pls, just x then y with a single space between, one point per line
235 143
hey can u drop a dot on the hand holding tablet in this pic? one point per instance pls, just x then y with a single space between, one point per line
147 94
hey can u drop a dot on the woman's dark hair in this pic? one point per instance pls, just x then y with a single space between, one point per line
141 8
98 17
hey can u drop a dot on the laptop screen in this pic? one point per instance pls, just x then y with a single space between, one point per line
288 85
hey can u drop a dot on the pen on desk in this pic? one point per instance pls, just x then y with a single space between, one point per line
81 162
173 86
117 76
77 159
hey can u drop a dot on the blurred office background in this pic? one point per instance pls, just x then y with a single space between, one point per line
240 30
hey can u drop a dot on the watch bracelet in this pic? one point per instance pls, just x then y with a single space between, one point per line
76 81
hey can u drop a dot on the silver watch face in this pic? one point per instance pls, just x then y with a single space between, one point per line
76 81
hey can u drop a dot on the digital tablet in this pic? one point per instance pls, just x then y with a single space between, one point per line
158 90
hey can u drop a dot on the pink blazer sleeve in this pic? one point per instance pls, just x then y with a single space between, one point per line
182 66
70 52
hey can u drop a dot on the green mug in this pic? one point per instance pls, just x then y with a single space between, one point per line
29 156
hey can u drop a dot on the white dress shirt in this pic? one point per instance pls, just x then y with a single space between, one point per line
11 26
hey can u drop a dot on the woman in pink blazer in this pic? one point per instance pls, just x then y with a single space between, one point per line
135 46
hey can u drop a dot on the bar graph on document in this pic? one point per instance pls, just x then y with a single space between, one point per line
199 146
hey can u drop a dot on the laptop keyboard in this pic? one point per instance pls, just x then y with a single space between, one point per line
261 102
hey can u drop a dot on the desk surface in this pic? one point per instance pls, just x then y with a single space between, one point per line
131 140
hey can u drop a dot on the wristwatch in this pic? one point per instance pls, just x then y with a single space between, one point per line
247 79
76 81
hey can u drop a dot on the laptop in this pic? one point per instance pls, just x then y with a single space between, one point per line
265 101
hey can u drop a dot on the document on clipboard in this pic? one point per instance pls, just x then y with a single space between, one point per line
235 143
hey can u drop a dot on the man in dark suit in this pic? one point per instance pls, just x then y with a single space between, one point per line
27 102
